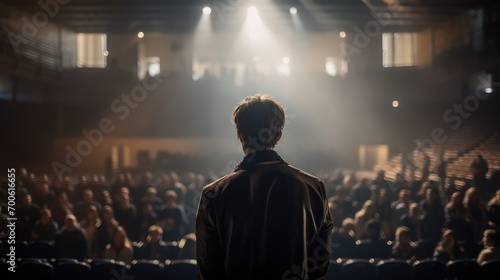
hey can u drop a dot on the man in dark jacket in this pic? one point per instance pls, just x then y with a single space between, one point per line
266 219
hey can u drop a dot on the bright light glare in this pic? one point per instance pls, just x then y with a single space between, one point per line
252 10
342 34
286 60
207 10
105 53
256 58
140 35
488 90
252 35
293 10
395 104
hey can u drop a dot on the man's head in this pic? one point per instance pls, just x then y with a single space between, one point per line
403 235
259 121
491 238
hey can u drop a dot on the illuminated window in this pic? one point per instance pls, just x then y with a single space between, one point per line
91 50
399 49
153 66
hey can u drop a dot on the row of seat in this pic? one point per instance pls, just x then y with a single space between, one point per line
71 269
429 269
46 250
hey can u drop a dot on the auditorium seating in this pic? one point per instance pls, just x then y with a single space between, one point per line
344 269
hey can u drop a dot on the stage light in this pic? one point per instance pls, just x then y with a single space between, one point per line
342 34
395 104
252 35
140 35
488 90
286 60
105 53
207 10
293 10
252 10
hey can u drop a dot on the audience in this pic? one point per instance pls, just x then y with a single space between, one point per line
448 248
404 248
455 224
90 224
120 248
45 229
491 242
70 240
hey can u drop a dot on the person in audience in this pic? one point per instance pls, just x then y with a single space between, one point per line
360 194
71 241
448 248
382 183
344 239
443 165
266 219
455 219
192 198
172 218
45 229
108 225
105 198
152 199
91 224
83 206
398 185
120 248
400 207
373 245
62 208
433 215
479 169
144 187
413 221
383 208
343 202
475 213
404 248
493 211
368 212
27 215
154 247
146 218
126 214
117 185
44 197
491 242
80 188
426 168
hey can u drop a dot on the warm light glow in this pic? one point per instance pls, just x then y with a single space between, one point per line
293 10
140 35
256 58
252 35
342 34
488 90
286 60
105 53
252 10
207 10
395 104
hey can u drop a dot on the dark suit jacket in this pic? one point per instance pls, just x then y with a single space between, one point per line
265 220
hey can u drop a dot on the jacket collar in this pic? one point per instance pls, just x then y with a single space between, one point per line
257 157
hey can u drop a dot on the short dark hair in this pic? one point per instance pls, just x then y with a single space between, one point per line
260 120
493 236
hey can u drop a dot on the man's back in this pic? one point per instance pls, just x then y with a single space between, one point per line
266 220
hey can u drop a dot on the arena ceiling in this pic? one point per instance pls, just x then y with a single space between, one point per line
119 16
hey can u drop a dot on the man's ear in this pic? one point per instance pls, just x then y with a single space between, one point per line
239 135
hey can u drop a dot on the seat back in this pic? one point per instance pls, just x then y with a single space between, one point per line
334 270
358 269
29 270
108 269
429 270
147 270
41 249
490 270
181 270
464 269
393 270
72 270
